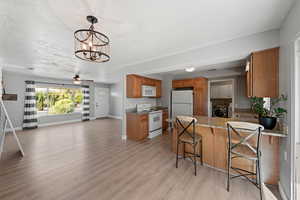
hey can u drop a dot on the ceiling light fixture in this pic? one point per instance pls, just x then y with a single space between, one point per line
91 45
76 80
190 69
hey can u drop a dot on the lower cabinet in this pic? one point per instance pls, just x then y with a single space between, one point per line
137 126
165 124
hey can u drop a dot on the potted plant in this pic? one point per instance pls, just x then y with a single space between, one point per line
268 116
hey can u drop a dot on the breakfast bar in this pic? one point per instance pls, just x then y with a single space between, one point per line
214 137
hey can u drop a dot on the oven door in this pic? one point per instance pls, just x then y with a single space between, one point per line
155 121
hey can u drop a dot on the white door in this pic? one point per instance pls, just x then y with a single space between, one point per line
101 102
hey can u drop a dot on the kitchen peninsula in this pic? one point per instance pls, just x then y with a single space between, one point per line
214 136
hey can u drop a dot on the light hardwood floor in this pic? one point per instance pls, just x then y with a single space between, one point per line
90 161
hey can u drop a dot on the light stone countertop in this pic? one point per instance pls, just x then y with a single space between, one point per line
215 122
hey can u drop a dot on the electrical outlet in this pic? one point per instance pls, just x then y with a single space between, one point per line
285 156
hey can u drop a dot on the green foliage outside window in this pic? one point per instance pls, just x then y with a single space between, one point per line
58 100
62 106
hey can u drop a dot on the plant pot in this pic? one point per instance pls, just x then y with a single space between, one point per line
268 122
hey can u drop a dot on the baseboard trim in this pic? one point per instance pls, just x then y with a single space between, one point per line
51 124
59 123
124 137
281 191
114 117
16 129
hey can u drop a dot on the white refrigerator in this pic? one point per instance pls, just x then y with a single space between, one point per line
182 102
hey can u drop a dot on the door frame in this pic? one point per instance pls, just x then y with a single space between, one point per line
95 103
295 116
209 94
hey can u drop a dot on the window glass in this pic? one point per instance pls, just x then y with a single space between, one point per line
51 100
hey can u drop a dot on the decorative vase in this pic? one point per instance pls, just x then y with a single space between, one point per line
268 122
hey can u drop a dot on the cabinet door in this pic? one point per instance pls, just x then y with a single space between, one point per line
144 126
148 81
183 83
177 84
207 144
133 86
158 88
265 73
220 148
165 117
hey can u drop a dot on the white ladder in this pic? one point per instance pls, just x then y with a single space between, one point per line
4 119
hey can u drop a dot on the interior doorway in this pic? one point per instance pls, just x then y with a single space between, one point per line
101 102
221 99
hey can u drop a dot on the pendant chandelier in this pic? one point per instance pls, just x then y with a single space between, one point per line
91 45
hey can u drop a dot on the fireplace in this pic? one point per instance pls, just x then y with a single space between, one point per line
221 107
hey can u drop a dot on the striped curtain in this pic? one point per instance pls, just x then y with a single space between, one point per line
86 103
30 114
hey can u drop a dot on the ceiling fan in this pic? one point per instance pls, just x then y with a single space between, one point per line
77 80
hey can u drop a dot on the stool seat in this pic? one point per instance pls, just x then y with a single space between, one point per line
188 139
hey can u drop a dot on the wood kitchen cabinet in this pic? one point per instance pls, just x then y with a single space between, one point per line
157 84
200 87
165 116
134 85
262 76
137 126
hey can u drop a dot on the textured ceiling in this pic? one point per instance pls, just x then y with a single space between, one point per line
39 33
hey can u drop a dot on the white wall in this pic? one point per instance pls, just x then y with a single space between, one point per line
116 100
219 53
289 32
15 83
166 90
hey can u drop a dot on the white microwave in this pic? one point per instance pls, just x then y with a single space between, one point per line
148 91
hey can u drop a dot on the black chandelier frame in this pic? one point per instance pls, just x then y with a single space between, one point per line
96 44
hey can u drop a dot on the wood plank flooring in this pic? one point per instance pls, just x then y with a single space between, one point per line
89 160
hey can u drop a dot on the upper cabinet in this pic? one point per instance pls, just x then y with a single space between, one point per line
200 88
262 75
134 85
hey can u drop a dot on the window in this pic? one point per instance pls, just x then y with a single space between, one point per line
55 101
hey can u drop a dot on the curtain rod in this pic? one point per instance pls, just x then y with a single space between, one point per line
63 84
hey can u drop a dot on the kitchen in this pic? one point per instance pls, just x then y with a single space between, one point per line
214 95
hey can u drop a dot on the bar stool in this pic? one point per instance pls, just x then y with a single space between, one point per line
186 137
240 146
